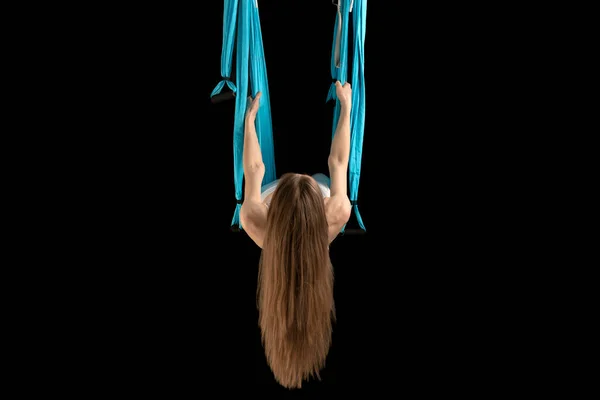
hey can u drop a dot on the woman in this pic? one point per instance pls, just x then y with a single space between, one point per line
293 220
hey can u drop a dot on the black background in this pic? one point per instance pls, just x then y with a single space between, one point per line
416 296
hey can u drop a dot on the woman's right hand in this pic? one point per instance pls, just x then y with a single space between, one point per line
252 106
344 93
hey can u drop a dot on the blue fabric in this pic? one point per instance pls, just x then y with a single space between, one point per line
242 16
357 116
260 83
339 72
229 19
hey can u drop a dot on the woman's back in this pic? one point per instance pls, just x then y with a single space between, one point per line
295 284
336 209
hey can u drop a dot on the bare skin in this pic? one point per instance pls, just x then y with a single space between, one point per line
253 213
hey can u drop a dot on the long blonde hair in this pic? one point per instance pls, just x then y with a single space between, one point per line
295 283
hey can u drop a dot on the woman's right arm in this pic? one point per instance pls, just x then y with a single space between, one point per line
338 206
253 214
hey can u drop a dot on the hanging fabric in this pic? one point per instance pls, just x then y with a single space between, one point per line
229 23
242 17
242 31
339 71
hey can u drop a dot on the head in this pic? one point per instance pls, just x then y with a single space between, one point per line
295 283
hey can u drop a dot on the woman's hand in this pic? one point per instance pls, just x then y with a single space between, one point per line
344 94
252 107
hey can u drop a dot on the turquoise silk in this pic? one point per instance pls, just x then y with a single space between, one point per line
242 31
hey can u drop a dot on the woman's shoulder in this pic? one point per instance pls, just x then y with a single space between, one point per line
253 216
338 207
337 211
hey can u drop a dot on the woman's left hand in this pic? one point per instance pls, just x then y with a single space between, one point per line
252 106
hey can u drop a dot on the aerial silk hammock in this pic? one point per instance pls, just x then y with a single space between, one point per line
241 29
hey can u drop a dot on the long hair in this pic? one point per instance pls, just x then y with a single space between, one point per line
295 283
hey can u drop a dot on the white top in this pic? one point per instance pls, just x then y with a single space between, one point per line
321 179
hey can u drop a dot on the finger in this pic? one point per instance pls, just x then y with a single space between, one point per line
255 101
255 97
347 84
338 83
254 106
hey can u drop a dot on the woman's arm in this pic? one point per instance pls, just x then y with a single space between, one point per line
253 214
338 206
254 168
340 145
340 153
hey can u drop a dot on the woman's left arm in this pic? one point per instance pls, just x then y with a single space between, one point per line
254 168
253 214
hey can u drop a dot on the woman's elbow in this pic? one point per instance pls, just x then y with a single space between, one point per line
335 161
254 168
